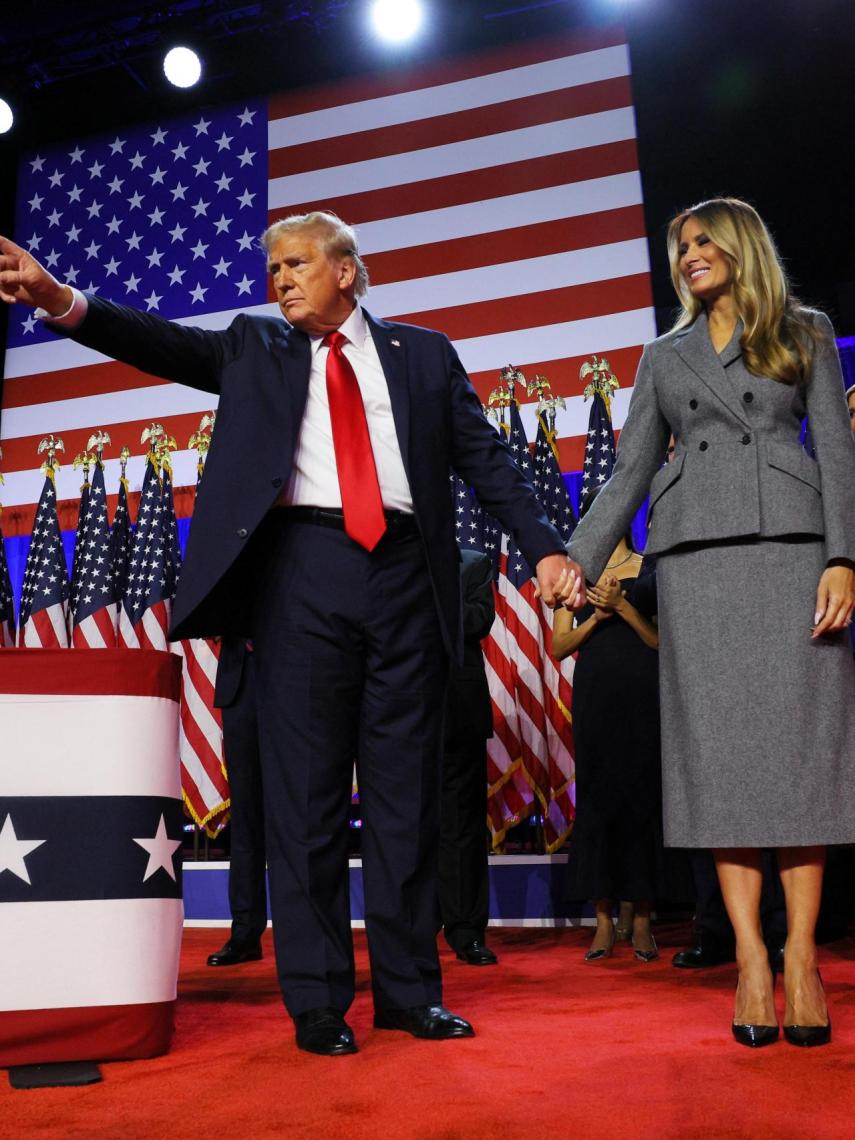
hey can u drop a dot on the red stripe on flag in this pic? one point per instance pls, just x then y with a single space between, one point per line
419 134
285 104
69 383
492 248
476 185
529 310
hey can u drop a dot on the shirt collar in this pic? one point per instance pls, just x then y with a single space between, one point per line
355 328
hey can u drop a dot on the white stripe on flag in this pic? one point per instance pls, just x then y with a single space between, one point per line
132 948
533 275
447 159
492 215
196 771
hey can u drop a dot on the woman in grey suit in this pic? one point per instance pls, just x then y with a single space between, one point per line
756 548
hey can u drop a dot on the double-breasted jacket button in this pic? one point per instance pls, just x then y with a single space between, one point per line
693 404
703 445
748 397
242 532
277 482
746 439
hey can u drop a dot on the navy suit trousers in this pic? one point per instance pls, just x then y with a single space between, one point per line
350 666
247 890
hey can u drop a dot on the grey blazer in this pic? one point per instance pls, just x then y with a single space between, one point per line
738 469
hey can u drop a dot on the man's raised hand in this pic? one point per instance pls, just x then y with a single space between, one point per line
22 278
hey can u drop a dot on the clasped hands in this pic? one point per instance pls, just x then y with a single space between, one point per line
560 582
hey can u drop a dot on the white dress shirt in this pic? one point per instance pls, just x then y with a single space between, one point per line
314 477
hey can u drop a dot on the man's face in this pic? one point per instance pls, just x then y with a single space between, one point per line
851 403
314 289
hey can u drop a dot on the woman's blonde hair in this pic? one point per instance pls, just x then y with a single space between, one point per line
779 339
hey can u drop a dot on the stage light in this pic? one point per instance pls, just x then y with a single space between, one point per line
397 21
6 117
182 67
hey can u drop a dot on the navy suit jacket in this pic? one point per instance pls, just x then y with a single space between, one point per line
260 368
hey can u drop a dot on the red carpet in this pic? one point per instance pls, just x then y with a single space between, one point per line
564 1048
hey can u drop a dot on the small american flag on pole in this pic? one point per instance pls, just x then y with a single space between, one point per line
43 620
7 603
121 538
146 605
600 443
94 616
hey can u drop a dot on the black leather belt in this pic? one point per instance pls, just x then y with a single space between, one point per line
398 523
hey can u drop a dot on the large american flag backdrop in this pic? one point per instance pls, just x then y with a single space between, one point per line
497 197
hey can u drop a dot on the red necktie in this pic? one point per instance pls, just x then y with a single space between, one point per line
361 501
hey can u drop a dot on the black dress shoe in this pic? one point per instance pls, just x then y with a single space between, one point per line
235 952
431 1022
324 1031
755 1036
702 955
475 953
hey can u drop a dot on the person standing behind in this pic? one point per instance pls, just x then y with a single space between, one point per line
755 546
463 863
234 695
616 850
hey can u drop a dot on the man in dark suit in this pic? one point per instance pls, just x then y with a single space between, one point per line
326 534
463 869
234 695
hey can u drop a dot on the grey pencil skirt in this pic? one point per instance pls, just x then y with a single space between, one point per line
758 721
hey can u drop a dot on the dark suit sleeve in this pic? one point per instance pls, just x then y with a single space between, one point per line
485 461
479 607
159 347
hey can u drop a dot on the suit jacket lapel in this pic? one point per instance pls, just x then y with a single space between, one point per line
295 363
696 349
392 350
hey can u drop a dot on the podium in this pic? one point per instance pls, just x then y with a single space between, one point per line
91 824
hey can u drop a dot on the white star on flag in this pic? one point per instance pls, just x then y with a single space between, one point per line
13 850
161 850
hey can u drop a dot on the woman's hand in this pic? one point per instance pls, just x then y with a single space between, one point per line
607 594
835 600
601 614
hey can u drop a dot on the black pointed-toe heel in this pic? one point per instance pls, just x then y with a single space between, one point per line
647 955
808 1035
755 1036
603 952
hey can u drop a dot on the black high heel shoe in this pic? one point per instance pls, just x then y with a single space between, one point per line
807 1035
756 1036
646 955
603 952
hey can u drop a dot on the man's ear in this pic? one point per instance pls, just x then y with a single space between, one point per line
347 272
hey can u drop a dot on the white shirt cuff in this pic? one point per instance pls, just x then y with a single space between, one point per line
72 317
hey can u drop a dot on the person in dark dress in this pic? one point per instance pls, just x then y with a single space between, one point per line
616 849
463 870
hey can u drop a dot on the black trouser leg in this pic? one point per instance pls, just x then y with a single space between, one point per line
463 865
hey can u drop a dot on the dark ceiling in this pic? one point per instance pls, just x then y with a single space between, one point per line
751 98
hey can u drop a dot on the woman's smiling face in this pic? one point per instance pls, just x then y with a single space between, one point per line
704 266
